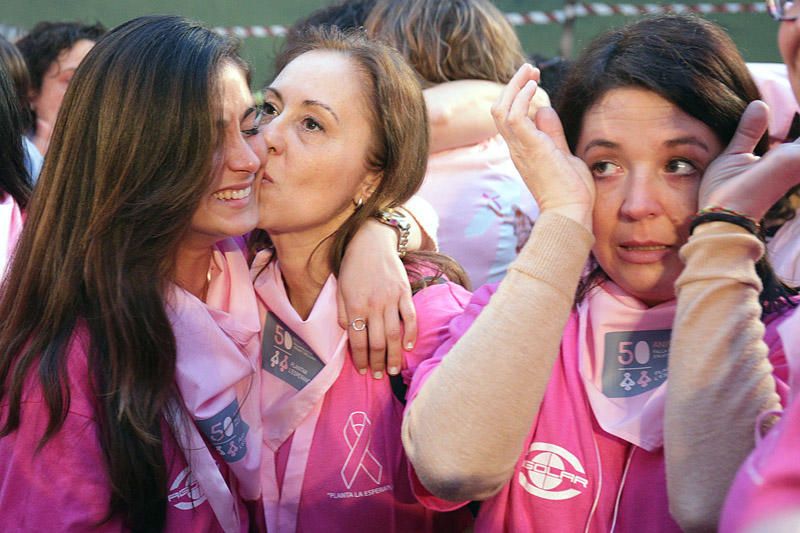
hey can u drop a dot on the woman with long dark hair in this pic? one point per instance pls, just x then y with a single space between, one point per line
123 320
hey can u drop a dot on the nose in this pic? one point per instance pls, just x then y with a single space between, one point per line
641 197
246 155
273 135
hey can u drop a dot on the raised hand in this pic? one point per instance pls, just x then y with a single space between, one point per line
743 182
559 181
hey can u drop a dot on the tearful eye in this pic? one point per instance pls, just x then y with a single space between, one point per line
605 169
681 167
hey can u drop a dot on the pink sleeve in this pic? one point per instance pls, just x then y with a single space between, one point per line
777 355
768 483
446 336
61 487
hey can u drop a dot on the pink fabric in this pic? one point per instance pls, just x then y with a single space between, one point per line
11 220
769 480
773 83
63 487
637 366
571 475
485 210
784 251
343 468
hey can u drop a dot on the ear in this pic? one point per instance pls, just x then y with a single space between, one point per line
368 185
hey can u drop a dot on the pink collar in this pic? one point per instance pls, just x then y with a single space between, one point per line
623 351
217 376
285 407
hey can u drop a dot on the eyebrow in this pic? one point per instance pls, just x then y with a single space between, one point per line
314 103
680 141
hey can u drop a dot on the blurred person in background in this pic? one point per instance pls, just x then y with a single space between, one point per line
18 70
485 210
53 50
15 184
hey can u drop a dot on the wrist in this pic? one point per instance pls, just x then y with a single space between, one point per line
399 223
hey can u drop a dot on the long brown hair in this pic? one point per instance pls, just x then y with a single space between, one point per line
132 155
400 133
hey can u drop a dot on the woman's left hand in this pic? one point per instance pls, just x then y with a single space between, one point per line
745 183
374 288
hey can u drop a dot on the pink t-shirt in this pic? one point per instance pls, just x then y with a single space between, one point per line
355 475
64 486
485 210
571 475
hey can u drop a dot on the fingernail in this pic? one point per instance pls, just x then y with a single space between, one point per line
409 346
377 374
393 370
362 371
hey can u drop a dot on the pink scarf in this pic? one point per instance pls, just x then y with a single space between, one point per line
11 220
623 352
286 410
217 375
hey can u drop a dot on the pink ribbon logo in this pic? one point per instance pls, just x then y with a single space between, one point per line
358 436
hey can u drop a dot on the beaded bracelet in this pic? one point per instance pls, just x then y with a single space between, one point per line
721 214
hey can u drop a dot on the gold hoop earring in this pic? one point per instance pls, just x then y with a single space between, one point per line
359 203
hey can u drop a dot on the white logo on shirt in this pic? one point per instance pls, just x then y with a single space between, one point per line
185 492
552 473
358 436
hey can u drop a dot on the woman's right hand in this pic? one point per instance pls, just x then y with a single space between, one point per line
559 181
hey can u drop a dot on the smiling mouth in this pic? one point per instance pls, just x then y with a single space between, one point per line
233 194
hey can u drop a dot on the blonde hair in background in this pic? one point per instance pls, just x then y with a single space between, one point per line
447 40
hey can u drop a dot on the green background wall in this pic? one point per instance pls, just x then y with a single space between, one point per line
754 33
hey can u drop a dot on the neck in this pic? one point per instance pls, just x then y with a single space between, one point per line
192 267
304 267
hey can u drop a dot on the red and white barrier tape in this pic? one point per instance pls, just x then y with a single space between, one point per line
556 16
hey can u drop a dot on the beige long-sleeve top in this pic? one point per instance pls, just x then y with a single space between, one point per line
462 446
720 380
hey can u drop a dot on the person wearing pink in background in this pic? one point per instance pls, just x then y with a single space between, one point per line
347 134
765 495
782 221
15 183
549 399
485 210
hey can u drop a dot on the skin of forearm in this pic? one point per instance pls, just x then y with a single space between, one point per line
465 430
720 380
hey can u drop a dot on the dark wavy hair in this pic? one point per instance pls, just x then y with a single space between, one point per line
119 187
686 60
14 178
45 42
